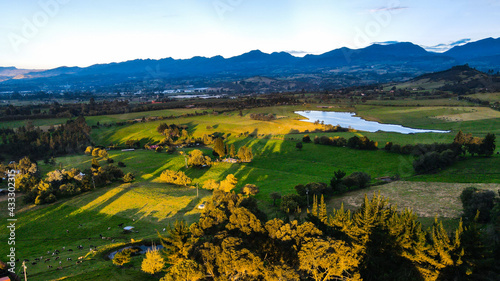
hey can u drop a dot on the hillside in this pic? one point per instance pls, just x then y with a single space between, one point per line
461 79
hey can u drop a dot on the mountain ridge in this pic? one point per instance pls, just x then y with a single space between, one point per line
399 59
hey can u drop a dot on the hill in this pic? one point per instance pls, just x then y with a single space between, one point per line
460 80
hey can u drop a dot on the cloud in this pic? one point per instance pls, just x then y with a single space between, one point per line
440 48
297 53
386 43
388 9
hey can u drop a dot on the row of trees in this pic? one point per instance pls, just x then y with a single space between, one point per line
355 142
340 183
375 242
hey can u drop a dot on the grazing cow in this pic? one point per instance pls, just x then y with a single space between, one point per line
26 260
46 260
48 252
121 224
109 228
49 266
67 231
33 263
37 259
68 259
59 268
78 262
57 258
70 250
80 225
64 247
79 258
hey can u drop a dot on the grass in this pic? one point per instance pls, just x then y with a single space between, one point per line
147 207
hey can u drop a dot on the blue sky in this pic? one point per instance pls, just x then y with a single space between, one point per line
52 33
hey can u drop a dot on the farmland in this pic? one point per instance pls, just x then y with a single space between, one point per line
149 205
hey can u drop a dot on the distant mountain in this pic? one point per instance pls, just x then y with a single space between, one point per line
483 48
377 63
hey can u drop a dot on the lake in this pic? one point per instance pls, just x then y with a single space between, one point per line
349 120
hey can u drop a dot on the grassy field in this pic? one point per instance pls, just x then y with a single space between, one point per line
146 206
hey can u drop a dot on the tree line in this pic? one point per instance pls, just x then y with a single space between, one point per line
72 137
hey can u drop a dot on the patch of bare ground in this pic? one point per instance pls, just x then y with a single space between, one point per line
426 199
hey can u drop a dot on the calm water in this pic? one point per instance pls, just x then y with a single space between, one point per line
347 119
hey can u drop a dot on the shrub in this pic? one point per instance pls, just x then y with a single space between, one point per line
177 178
121 164
250 189
306 139
357 179
475 200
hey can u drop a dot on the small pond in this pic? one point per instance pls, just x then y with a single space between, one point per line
143 249
347 119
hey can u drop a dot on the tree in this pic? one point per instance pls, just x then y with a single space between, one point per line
95 152
245 154
129 177
250 189
306 139
229 183
177 178
103 153
123 257
219 148
298 145
487 147
275 196
232 151
89 150
211 185
357 179
153 262
290 203
196 158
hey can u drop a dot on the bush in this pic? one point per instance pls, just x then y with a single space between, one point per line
357 179
250 189
110 161
475 200
121 164
306 139
177 178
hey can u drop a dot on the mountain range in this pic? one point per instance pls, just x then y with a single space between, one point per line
376 63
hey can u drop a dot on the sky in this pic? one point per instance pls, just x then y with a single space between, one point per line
43 34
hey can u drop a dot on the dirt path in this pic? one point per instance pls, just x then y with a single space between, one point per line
426 199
